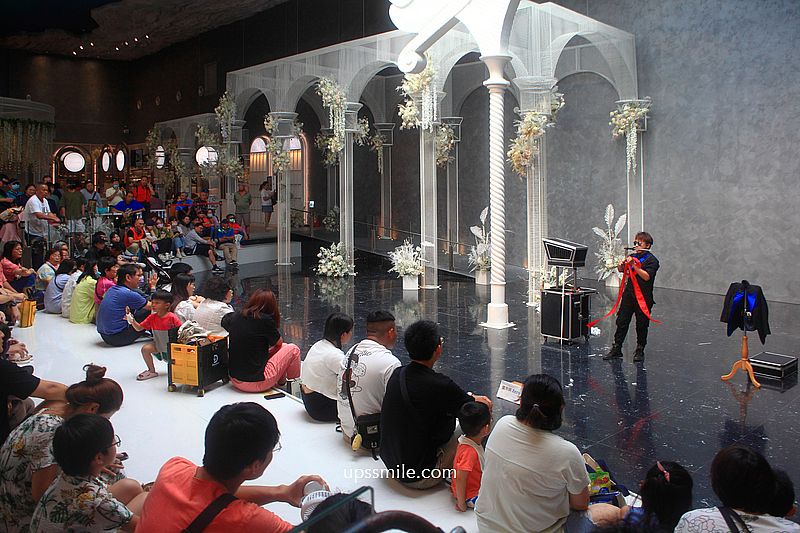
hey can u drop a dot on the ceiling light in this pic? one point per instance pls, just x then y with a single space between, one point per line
126 43
117 48
136 39
91 44
146 36
81 47
74 53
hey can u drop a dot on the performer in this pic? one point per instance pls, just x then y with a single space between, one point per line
643 265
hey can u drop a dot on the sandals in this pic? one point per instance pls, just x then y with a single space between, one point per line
144 376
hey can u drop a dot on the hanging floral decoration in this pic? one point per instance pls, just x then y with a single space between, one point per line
625 120
376 143
361 135
226 114
419 91
279 156
335 101
329 145
611 251
152 142
480 255
445 142
529 129
179 168
407 260
333 262
25 146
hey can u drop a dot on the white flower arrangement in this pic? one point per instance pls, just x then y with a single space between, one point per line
406 260
480 255
333 262
331 147
279 156
335 101
625 121
532 126
376 143
552 278
611 251
331 220
420 87
332 290
445 142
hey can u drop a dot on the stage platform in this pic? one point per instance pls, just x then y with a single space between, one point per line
673 407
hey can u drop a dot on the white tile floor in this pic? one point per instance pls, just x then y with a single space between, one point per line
155 425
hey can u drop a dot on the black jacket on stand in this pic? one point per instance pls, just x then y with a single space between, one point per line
733 309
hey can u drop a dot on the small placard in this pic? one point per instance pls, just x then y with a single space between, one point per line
511 391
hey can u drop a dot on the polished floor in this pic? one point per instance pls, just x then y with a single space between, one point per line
673 407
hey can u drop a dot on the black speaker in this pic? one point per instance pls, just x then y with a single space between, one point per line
577 307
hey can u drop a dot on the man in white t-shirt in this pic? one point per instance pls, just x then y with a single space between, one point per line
37 216
114 194
372 366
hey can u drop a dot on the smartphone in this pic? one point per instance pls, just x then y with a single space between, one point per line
273 395
123 456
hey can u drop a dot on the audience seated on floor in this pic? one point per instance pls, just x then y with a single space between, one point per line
82 309
55 289
258 359
184 300
239 443
475 419
111 323
9 298
107 267
47 271
746 486
371 366
84 446
160 322
201 246
27 465
533 480
665 493
783 503
322 364
69 287
218 293
17 275
418 414
224 238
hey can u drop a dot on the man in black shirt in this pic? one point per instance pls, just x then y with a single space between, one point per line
19 382
644 268
418 416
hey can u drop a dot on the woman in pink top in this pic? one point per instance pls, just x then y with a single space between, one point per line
108 269
17 275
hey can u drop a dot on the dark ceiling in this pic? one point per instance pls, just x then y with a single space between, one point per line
115 29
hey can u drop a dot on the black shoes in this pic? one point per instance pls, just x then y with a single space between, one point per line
614 353
638 355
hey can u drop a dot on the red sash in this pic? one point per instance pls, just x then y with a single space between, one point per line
629 274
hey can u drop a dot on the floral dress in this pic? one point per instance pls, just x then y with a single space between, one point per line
79 504
27 449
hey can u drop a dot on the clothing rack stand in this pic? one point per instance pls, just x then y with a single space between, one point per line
743 363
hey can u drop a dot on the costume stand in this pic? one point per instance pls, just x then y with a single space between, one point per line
744 363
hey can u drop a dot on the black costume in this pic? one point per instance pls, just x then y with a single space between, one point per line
733 309
629 306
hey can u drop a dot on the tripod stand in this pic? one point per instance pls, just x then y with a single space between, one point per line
743 363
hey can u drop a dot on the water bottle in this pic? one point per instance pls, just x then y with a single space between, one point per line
315 494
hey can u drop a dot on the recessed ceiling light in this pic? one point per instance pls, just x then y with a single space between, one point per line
146 36
126 43
136 39
81 47
91 44
74 53
117 48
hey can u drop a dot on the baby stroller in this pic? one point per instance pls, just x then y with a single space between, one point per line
161 268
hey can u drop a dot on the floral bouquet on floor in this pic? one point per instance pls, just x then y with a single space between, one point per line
406 260
480 254
332 291
612 251
333 262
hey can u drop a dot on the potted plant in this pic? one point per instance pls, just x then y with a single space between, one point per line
407 262
611 251
480 260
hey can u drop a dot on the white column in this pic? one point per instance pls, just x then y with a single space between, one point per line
635 182
497 316
386 131
428 209
285 122
346 236
187 154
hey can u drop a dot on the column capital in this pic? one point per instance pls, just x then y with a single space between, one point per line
351 116
386 131
454 123
285 121
496 65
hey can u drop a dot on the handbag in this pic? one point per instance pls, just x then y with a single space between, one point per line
27 310
367 427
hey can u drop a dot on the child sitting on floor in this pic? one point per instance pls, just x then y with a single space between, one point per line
475 420
77 500
160 321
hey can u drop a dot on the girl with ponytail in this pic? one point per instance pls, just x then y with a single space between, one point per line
533 480
27 465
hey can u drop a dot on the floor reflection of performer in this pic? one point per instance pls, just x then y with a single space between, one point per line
634 413
643 265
